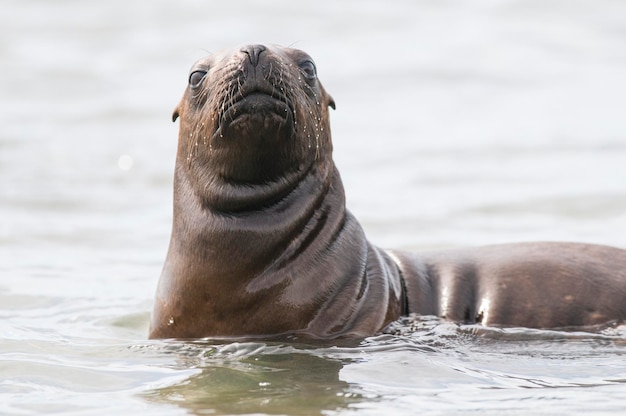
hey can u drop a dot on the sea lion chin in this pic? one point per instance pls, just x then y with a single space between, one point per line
263 245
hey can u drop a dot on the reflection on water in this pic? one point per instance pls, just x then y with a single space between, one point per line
294 383
457 123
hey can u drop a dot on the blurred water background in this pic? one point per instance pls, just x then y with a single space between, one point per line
457 123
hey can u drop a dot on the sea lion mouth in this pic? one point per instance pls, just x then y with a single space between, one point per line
264 109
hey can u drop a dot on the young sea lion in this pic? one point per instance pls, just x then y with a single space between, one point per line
262 243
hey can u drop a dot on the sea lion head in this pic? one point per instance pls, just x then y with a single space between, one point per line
253 115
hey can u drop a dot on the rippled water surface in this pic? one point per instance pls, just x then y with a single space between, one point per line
457 123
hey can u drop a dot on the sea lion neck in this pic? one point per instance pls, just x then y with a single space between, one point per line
224 196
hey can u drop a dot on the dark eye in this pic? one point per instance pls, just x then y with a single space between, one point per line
308 69
196 77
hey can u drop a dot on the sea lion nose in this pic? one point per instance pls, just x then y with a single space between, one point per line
253 52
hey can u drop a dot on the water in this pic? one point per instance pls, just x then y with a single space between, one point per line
457 124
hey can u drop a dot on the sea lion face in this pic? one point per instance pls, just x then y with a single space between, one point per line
252 114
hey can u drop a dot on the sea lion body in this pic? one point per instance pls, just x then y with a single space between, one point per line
537 285
263 245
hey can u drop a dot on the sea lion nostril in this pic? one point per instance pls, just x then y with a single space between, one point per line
253 52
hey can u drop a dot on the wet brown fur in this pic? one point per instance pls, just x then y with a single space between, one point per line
262 243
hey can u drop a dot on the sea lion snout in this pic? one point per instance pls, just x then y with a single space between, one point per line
255 91
253 52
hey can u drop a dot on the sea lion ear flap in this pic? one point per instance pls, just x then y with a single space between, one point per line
175 114
331 102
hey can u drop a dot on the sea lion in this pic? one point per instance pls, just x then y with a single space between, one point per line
262 243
